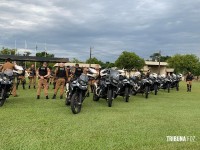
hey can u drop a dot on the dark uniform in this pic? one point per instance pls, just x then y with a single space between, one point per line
189 79
21 79
61 78
78 72
43 73
32 77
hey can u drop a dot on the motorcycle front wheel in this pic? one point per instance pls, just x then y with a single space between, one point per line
3 98
75 103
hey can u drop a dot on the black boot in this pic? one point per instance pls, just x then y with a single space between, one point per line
34 86
29 86
54 96
47 97
61 97
38 96
23 86
188 88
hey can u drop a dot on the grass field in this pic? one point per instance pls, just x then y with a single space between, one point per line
27 123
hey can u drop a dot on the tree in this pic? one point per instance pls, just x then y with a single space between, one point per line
7 51
94 60
27 53
44 54
75 60
155 57
107 65
129 61
184 63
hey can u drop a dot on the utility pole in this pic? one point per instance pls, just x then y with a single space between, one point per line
159 62
45 48
90 56
35 54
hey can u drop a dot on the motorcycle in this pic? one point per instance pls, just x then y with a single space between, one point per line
155 83
5 87
106 86
140 86
78 90
123 88
175 81
165 83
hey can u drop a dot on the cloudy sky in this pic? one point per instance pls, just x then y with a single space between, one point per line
70 27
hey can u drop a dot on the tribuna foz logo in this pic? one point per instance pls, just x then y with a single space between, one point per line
180 138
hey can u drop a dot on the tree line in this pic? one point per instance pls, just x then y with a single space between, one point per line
129 61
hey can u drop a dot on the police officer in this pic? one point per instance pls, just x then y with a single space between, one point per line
189 79
78 71
32 76
70 76
61 75
21 79
9 67
43 73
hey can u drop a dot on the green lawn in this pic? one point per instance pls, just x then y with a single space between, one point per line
27 123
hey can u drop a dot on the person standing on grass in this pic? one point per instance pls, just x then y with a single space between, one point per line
21 79
43 73
61 75
189 79
32 76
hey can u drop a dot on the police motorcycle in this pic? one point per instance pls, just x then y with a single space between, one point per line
175 81
6 83
107 85
155 83
78 91
140 85
123 87
165 82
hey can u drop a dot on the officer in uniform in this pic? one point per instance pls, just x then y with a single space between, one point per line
21 79
32 76
43 73
7 67
189 79
61 77
70 76
78 71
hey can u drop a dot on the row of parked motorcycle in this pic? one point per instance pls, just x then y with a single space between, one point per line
113 83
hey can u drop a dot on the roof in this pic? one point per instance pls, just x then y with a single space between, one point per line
80 65
33 58
155 63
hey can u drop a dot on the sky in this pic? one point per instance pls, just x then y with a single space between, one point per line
70 27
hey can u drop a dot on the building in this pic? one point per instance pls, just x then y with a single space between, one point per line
156 67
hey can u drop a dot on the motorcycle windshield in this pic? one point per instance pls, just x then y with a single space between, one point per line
114 74
84 78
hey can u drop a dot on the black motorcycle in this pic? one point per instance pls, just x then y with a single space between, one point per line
106 86
123 88
165 83
175 81
140 86
5 87
155 84
78 91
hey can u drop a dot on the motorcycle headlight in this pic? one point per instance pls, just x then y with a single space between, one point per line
115 81
82 83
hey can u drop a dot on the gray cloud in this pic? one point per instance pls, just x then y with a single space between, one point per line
70 27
